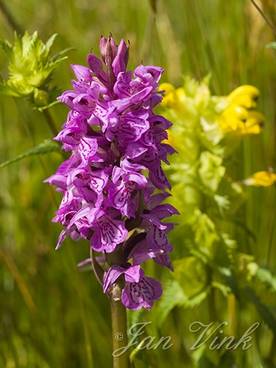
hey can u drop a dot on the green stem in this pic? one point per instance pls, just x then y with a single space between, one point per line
53 128
9 18
232 314
212 306
50 122
211 297
98 271
268 22
119 329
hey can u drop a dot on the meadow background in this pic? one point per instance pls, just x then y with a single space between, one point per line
52 315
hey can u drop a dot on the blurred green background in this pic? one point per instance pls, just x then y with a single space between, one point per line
52 315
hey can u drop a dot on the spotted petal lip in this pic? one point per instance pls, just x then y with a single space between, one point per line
131 274
139 291
88 148
108 233
142 294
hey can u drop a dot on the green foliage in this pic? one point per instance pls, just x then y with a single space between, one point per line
173 295
210 170
176 295
30 67
206 194
262 308
43 148
271 45
70 325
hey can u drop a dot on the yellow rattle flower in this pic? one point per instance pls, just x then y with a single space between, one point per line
172 97
245 96
261 179
239 120
253 123
239 116
168 92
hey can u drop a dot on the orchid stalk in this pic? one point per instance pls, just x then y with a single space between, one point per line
113 184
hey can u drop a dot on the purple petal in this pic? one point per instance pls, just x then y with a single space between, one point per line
164 210
133 273
158 177
108 49
142 294
81 72
84 263
61 238
88 148
111 276
120 61
156 199
108 234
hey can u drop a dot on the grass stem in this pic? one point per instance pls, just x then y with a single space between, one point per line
9 18
232 314
119 329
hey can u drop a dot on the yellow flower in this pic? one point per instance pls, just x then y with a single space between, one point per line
261 179
172 97
168 91
232 117
237 119
245 96
253 123
240 116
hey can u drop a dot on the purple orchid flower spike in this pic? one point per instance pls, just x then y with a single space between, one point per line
113 184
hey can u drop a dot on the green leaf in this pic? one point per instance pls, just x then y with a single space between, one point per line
223 288
173 296
262 309
47 47
60 55
196 299
205 233
262 281
191 274
211 170
271 45
45 107
8 91
265 277
43 148
5 46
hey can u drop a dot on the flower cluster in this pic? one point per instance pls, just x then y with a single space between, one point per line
113 184
240 115
235 113
261 179
206 131
30 68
